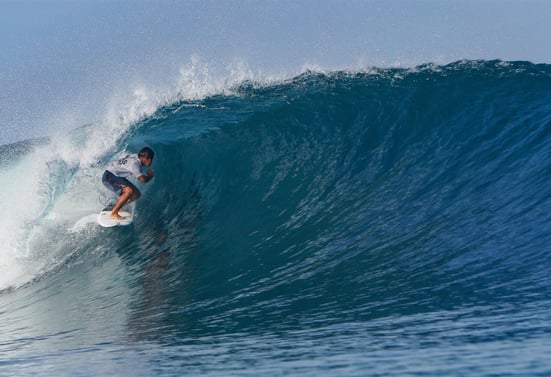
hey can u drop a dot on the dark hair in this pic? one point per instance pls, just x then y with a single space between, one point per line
147 153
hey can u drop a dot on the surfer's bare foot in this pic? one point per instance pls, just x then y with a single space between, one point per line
116 216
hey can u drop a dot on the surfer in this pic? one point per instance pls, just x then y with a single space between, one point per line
114 177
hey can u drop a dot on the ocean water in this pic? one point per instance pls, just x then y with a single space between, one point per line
367 223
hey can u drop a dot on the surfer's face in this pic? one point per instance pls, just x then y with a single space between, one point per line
146 161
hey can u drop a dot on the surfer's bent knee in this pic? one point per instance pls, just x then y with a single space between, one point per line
132 191
128 190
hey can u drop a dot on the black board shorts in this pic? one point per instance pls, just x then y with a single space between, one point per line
115 183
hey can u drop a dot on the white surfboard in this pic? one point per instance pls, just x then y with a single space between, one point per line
106 221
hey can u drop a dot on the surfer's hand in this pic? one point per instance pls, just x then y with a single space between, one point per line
146 178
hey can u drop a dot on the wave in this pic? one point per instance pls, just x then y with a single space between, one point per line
329 198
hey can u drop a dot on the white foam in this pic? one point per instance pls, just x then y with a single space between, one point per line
25 198
84 223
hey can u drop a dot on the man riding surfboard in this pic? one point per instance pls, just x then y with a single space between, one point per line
114 178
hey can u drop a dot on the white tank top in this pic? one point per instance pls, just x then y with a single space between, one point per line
126 166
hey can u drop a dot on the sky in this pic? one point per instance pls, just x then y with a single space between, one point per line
64 62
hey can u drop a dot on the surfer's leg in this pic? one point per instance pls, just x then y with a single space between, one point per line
135 192
135 195
126 194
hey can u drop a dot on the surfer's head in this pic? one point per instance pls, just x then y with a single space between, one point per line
146 155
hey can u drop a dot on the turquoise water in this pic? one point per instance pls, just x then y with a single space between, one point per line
386 222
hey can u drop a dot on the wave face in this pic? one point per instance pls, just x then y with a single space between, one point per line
347 223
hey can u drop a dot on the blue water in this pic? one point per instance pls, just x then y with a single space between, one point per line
383 222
